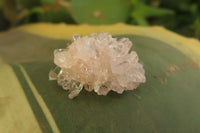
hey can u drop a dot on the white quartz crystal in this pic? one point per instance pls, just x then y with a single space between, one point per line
98 62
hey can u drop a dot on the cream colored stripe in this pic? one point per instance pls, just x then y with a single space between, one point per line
188 46
16 115
41 102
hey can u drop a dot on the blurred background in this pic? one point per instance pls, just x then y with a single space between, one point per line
181 16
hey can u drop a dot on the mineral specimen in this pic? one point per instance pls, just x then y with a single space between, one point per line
97 62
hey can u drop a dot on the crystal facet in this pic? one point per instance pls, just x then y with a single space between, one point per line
97 62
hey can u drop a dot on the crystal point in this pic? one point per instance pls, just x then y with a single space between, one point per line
76 37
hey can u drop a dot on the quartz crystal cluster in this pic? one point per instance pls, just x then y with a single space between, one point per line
97 62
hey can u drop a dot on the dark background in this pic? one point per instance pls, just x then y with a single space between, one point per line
181 16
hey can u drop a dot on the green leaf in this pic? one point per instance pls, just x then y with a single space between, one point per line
148 11
1 4
39 15
168 102
34 15
47 2
100 11
140 20
196 27
142 12
29 3
138 2
59 15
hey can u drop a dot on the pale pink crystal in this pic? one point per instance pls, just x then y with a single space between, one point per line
100 63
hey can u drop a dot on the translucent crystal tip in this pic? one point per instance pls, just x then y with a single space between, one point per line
76 37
